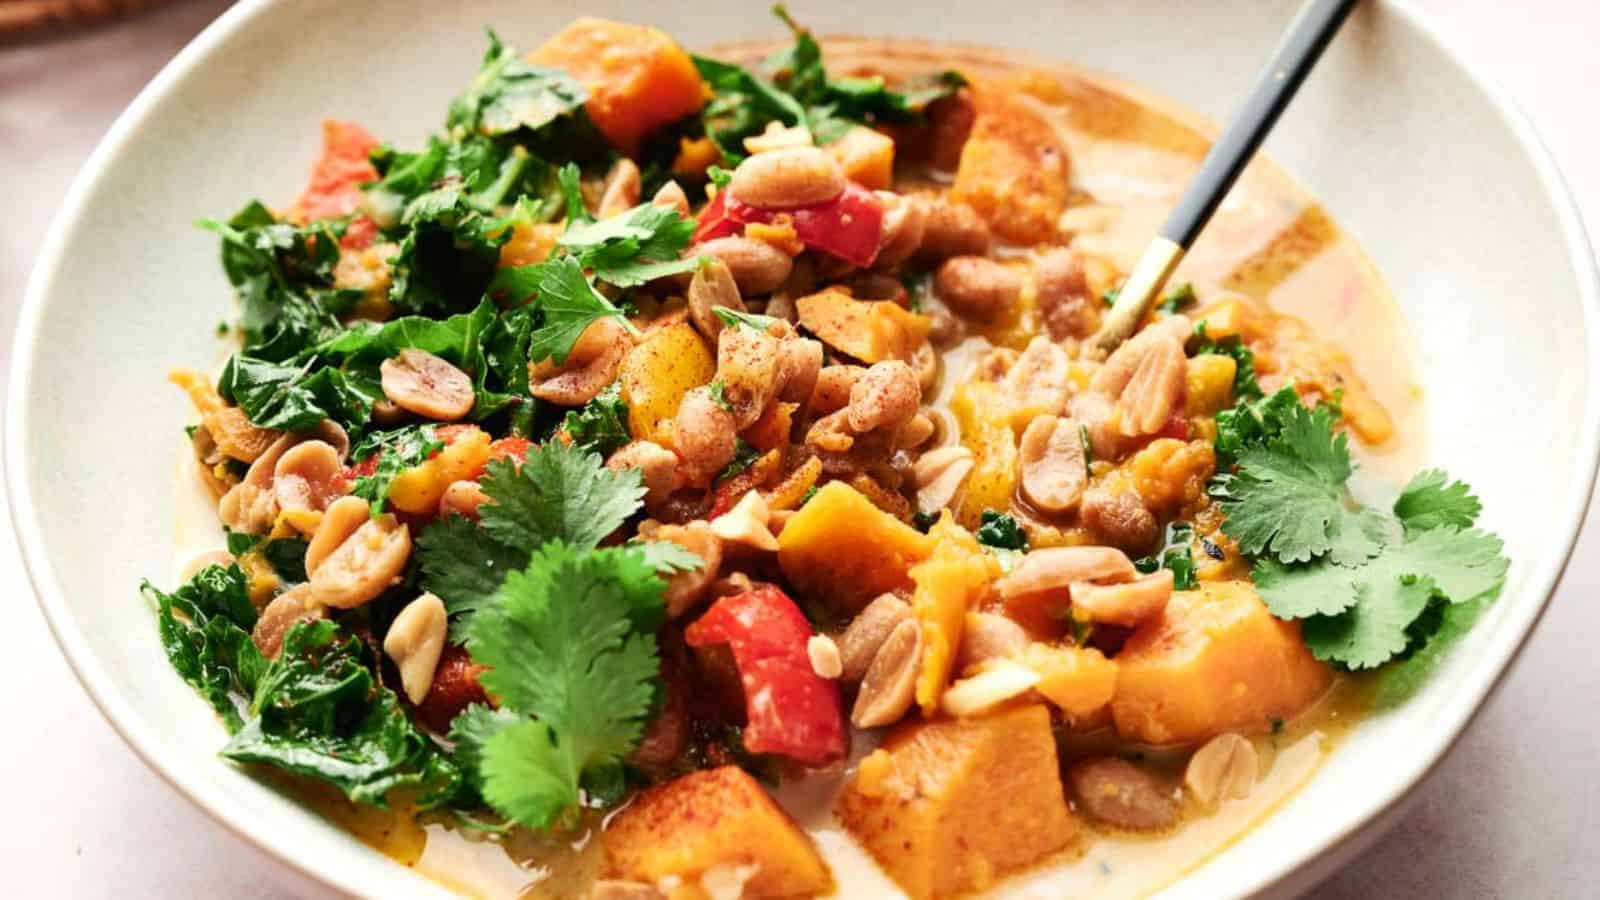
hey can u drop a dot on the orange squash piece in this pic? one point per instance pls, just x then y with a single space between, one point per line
952 581
842 551
1216 660
670 362
868 330
1079 681
417 490
867 157
716 817
983 411
947 806
1014 170
638 79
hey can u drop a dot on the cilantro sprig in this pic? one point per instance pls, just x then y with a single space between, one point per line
1369 585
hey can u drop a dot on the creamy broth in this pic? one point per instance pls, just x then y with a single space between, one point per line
1131 156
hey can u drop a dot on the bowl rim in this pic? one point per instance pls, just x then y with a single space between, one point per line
1287 873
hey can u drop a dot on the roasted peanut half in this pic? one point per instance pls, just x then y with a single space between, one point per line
889 685
621 190
938 475
686 589
777 136
307 479
988 636
905 220
1126 604
279 615
1054 471
657 466
1119 367
1225 768
421 383
712 287
462 498
1041 376
824 656
867 632
799 366
1119 793
415 640
886 396
747 369
788 177
672 197
594 362
339 521
365 565
996 682
1152 394
746 524
704 436
251 506
1053 568
757 267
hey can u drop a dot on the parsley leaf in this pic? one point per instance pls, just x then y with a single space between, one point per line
744 455
544 106
1175 555
1000 530
568 650
601 425
396 451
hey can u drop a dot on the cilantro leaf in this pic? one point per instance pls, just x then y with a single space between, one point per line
563 294
1431 500
565 648
1175 555
633 247
997 529
1252 422
463 566
543 106
396 451
601 425
1288 496
560 493
470 731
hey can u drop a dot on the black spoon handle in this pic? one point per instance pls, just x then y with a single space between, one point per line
1310 33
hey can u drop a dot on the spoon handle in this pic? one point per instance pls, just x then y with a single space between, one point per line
1312 30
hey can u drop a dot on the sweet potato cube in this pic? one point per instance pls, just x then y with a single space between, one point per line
638 79
949 805
983 411
417 490
867 157
950 582
1079 681
842 551
716 817
1215 660
1014 170
668 363
869 330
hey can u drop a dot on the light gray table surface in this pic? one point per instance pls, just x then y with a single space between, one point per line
1513 812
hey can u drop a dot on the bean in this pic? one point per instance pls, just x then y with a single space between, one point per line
886 395
953 229
757 267
621 190
712 288
365 565
657 466
704 437
1119 793
1054 473
978 287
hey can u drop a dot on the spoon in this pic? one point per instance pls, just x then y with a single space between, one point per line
1313 28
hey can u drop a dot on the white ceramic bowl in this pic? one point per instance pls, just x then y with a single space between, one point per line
1446 185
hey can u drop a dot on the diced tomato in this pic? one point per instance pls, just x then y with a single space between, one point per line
714 221
513 448
1176 427
790 710
849 226
449 434
336 179
360 234
455 687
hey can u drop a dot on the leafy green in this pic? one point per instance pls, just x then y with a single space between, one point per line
205 631
1245 385
633 247
566 298
559 494
296 396
1178 299
793 88
744 455
542 106
1176 554
286 555
1255 422
396 451
318 711
1369 585
570 650
998 529
601 425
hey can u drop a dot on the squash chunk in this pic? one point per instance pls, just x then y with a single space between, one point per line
948 806
417 490
953 580
1216 660
983 411
656 373
867 157
1014 171
869 330
638 79
716 817
842 551
1079 681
